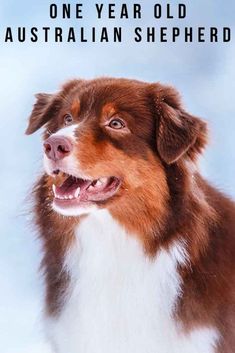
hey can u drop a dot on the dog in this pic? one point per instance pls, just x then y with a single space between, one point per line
139 249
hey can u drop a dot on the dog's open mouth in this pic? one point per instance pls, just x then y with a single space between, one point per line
73 191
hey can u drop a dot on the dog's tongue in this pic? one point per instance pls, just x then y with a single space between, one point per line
76 188
72 183
71 187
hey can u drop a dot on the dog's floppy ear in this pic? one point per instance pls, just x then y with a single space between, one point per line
178 133
41 112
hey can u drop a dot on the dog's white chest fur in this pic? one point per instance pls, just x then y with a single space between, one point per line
120 301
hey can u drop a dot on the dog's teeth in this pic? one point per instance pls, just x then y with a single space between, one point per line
70 197
91 187
54 189
77 192
99 182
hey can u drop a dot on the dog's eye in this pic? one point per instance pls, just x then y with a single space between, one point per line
68 119
116 124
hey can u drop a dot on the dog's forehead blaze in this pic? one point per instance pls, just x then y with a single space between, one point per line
75 107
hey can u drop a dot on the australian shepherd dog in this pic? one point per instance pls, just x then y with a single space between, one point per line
139 249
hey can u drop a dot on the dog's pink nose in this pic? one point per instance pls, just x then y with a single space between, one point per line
57 147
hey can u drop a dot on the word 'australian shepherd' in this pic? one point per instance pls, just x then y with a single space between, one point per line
139 250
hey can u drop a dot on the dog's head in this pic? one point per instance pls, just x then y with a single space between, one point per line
108 143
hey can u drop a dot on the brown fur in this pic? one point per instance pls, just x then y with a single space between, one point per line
162 198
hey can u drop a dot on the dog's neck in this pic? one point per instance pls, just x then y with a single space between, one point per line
116 290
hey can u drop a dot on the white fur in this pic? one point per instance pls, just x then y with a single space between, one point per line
68 131
74 211
67 165
121 301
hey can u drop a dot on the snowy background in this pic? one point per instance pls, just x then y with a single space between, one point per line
203 73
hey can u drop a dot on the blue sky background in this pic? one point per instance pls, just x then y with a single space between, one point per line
203 73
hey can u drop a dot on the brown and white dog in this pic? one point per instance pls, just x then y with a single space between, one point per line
139 250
